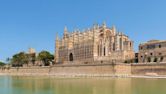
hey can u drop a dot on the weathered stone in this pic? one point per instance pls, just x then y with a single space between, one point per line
152 51
97 44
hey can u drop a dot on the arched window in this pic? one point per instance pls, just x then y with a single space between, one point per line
71 57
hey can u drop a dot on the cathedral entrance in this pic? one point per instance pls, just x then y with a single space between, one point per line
71 57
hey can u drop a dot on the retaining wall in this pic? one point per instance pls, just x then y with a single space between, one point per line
149 69
72 70
91 70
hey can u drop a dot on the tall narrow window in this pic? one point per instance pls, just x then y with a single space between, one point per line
130 44
113 46
104 51
98 49
120 43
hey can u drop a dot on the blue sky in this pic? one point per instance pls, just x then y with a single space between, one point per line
34 23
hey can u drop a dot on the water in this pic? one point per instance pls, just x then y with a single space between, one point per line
50 85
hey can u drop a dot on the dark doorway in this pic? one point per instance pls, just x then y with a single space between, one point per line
71 57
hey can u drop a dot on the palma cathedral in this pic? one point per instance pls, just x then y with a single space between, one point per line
97 44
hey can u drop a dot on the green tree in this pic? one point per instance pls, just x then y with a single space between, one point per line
19 59
45 57
2 63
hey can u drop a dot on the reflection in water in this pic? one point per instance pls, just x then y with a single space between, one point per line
50 85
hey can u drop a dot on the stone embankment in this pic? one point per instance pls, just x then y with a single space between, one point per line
91 70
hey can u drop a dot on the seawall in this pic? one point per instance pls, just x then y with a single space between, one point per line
71 70
152 69
90 70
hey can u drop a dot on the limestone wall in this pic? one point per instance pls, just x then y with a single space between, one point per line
122 69
72 70
82 70
148 69
26 71
91 70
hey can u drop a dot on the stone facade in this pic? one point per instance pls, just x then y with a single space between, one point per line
31 51
97 44
152 51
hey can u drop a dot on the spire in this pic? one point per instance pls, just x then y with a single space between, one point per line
114 28
65 30
104 24
95 26
57 38
65 34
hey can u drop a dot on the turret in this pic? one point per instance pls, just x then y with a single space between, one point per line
56 58
57 38
113 29
104 25
65 34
